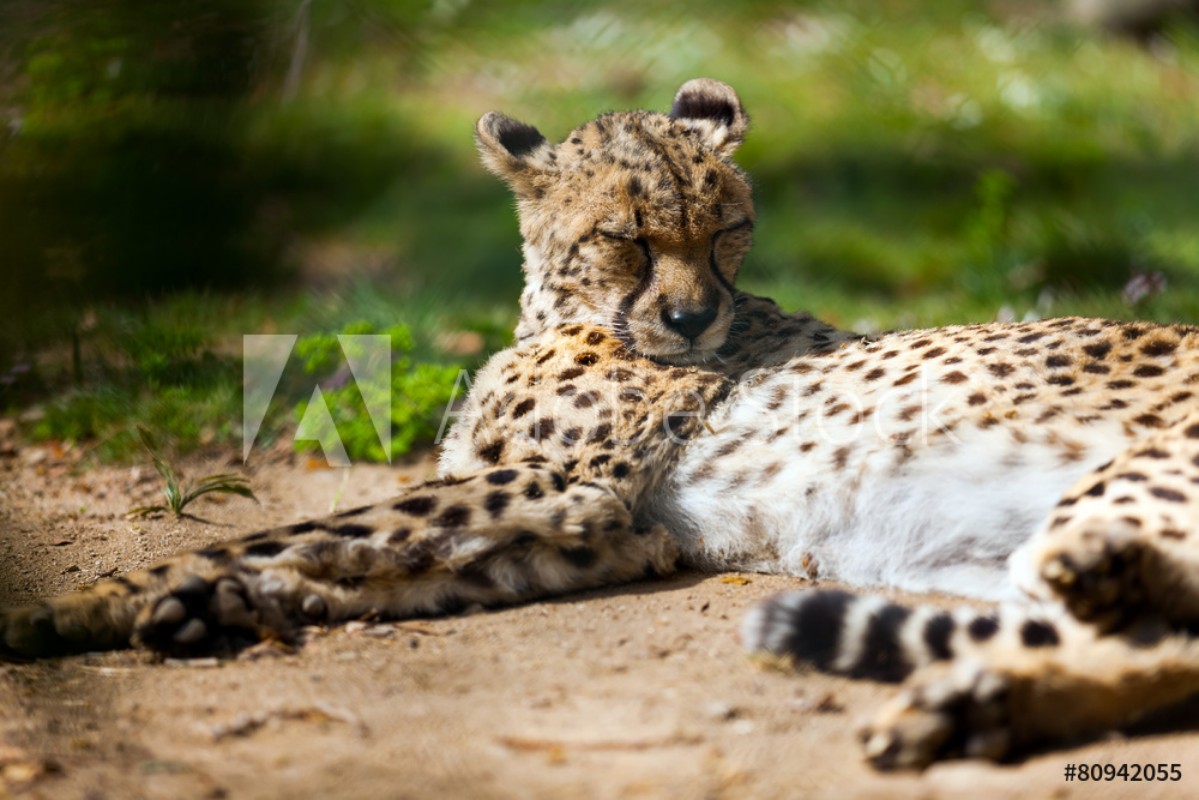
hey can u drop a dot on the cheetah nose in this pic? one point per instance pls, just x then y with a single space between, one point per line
689 323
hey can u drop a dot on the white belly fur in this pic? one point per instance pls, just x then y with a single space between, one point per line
945 519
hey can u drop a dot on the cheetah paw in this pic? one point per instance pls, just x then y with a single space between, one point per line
27 633
199 617
1095 570
961 712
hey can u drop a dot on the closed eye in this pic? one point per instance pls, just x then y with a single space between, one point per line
746 225
642 245
745 228
742 225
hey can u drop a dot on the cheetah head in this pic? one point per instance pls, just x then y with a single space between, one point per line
638 221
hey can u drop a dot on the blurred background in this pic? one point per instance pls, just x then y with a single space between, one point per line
174 175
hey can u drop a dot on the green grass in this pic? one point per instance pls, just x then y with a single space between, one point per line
179 495
915 163
176 365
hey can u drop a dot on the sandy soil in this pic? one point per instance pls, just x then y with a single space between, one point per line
640 691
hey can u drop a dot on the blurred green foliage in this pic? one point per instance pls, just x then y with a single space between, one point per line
157 367
915 161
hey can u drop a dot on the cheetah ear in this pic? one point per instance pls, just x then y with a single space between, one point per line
514 151
713 110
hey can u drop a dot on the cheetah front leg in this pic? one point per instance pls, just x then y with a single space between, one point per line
499 536
1023 698
1123 543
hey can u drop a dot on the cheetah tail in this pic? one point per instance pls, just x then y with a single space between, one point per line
870 637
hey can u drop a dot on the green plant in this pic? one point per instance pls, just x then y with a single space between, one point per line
417 394
179 495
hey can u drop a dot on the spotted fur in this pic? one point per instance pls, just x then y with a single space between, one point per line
651 413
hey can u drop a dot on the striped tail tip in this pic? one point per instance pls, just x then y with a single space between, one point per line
846 634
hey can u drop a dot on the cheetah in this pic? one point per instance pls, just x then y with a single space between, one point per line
651 415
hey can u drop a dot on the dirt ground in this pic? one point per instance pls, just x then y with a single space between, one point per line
640 691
